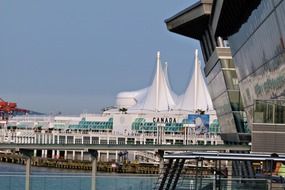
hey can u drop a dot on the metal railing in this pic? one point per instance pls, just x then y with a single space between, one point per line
77 181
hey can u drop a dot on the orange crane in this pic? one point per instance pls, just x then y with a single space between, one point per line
7 109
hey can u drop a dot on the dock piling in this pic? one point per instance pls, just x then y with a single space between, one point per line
28 154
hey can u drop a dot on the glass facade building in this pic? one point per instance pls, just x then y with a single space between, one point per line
225 93
220 71
247 84
259 55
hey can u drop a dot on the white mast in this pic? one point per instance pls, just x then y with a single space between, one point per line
196 79
157 80
166 73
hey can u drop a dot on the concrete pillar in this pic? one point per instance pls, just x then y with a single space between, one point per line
160 154
53 154
229 175
28 173
43 153
82 157
50 139
99 155
41 138
46 138
73 155
28 154
53 140
186 133
94 155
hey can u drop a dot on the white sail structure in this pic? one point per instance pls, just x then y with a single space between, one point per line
157 97
196 96
128 99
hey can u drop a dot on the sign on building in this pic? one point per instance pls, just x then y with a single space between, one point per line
201 122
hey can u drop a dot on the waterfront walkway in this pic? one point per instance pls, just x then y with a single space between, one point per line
28 151
135 147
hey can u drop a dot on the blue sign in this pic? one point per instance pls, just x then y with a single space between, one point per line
201 122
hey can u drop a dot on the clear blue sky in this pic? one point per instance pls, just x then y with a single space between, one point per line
74 56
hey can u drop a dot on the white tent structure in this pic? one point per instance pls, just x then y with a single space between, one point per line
130 98
159 97
196 96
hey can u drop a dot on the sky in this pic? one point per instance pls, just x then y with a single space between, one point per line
74 56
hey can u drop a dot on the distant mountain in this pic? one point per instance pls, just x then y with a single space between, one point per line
29 113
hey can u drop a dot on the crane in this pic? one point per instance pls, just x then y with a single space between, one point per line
7 109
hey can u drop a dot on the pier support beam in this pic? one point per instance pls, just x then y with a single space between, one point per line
229 175
94 156
28 154
160 154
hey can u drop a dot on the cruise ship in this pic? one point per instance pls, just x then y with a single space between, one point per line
151 115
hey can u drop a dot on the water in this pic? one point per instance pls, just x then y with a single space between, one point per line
12 177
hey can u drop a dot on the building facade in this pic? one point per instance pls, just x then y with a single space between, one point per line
258 52
98 129
256 39
220 71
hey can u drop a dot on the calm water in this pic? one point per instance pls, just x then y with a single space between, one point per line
12 177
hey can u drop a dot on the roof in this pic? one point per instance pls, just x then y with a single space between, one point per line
224 16
192 21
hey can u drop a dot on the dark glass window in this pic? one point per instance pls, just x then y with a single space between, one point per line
235 100
256 18
213 73
266 41
231 79
240 121
279 114
222 104
70 139
264 111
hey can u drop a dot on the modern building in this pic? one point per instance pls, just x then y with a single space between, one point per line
194 22
244 58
